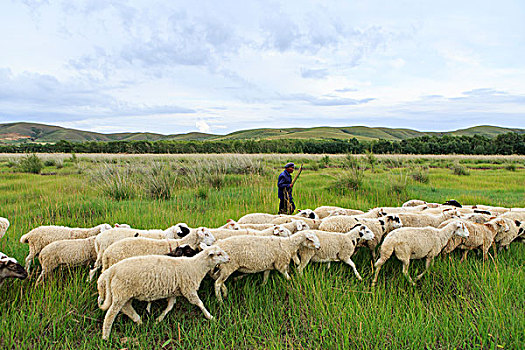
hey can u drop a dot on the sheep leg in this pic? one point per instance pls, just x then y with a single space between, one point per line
29 259
305 260
40 278
129 311
193 298
465 252
266 274
351 263
427 265
378 265
92 272
406 264
171 303
111 314
296 259
219 285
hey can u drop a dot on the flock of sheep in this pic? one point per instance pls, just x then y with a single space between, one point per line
163 264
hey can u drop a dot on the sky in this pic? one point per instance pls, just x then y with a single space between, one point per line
219 66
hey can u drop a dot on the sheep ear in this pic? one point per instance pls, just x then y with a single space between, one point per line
518 223
360 234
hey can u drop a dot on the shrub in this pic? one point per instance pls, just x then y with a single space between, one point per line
59 164
324 162
458 169
202 193
159 181
116 182
510 167
420 175
49 162
351 179
371 159
398 184
30 164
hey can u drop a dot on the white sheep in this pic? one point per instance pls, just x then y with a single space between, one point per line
313 224
10 268
325 211
278 230
257 218
379 227
136 246
307 213
417 243
414 203
252 254
481 236
4 225
494 210
507 230
335 247
41 236
69 252
514 215
105 239
477 218
422 220
154 277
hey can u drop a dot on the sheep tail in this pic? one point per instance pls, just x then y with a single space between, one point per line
25 238
104 291
386 252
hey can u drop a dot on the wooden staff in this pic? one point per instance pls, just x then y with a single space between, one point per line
288 202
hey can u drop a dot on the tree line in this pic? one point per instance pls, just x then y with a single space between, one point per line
510 143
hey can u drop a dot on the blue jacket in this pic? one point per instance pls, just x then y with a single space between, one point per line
283 183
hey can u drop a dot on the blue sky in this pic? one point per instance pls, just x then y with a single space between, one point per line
221 66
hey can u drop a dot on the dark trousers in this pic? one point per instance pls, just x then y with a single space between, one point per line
284 208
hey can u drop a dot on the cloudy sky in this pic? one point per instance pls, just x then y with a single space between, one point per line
220 66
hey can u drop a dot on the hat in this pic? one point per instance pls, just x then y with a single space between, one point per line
289 165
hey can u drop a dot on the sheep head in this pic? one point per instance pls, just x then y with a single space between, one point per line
500 225
300 225
393 221
311 241
232 225
181 230
308 213
9 267
104 227
205 236
460 229
281 231
216 255
365 233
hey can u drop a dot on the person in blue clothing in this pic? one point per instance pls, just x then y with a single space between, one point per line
284 184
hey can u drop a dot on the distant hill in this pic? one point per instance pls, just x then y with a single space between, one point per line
34 132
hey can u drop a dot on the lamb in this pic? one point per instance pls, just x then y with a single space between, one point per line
507 230
69 252
154 277
325 211
10 268
279 230
252 254
41 236
104 240
422 220
335 247
135 246
413 203
417 243
4 225
481 236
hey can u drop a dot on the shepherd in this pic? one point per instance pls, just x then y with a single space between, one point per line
285 185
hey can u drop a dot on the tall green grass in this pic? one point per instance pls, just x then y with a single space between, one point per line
470 305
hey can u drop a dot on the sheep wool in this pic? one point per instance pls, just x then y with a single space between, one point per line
252 254
417 243
480 236
41 236
4 225
69 252
154 277
335 247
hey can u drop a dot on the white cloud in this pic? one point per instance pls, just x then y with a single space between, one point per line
202 126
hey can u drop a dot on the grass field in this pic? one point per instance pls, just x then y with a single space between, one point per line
472 305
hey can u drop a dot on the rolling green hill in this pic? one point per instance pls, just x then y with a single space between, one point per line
33 132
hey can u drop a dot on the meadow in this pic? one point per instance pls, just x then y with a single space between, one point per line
476 304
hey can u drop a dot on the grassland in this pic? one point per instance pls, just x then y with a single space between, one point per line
472 305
